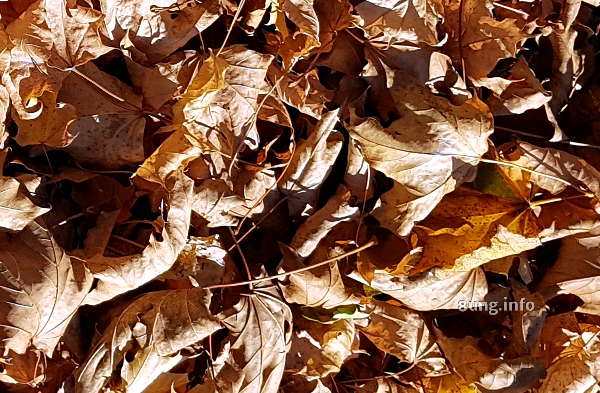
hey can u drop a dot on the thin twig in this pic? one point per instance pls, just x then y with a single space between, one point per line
524 133
235 18
256 224
304 269
246 267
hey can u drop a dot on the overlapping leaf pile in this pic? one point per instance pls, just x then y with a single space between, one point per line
299 196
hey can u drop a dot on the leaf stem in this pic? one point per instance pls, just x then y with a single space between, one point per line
304 269
559 199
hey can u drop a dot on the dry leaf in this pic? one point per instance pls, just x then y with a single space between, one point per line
428 152
117 275
16 207
41 289
146 339
318 350
402 333
310 165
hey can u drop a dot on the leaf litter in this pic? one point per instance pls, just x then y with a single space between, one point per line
307 196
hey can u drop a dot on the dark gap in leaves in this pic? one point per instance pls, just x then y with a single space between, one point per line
114 64
563 303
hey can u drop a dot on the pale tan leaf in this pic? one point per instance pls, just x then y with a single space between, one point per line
155 33
217 113
41 288
427 291
148 337
319 287
482 41
259 339
107 134
311 164
403 333
16 208
117 275
428 151
205 261
392 21
57 35
316 227
319 350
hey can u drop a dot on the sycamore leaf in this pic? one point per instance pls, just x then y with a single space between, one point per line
117 275
318 350
155 33
16 208
107 134
217 113
549 169
392 21
303 92
318 287
402 333
476 41
41 288
256 347
50 128
577 271
316 227
427 291
523 93
58 35
428 151
146 339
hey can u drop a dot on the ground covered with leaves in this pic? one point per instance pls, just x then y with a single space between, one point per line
299 196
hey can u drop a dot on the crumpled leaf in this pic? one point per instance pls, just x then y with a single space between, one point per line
392 21
427 291
59 35
117 275
318 350
316 227
17 209
155 33
218 116
428 151
146 339
403 333
476 40
310 165
40 287
319 287
256 348
107 134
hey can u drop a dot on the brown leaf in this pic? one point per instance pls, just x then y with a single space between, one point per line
255 350
41 289
117 275
146 339
58 35
155 33
18 210
476 41
391 21
402 333
428 151
312 162
319 287
106 134
427 291
319 350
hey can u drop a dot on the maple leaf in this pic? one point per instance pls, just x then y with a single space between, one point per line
430 150
41 289
146 339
